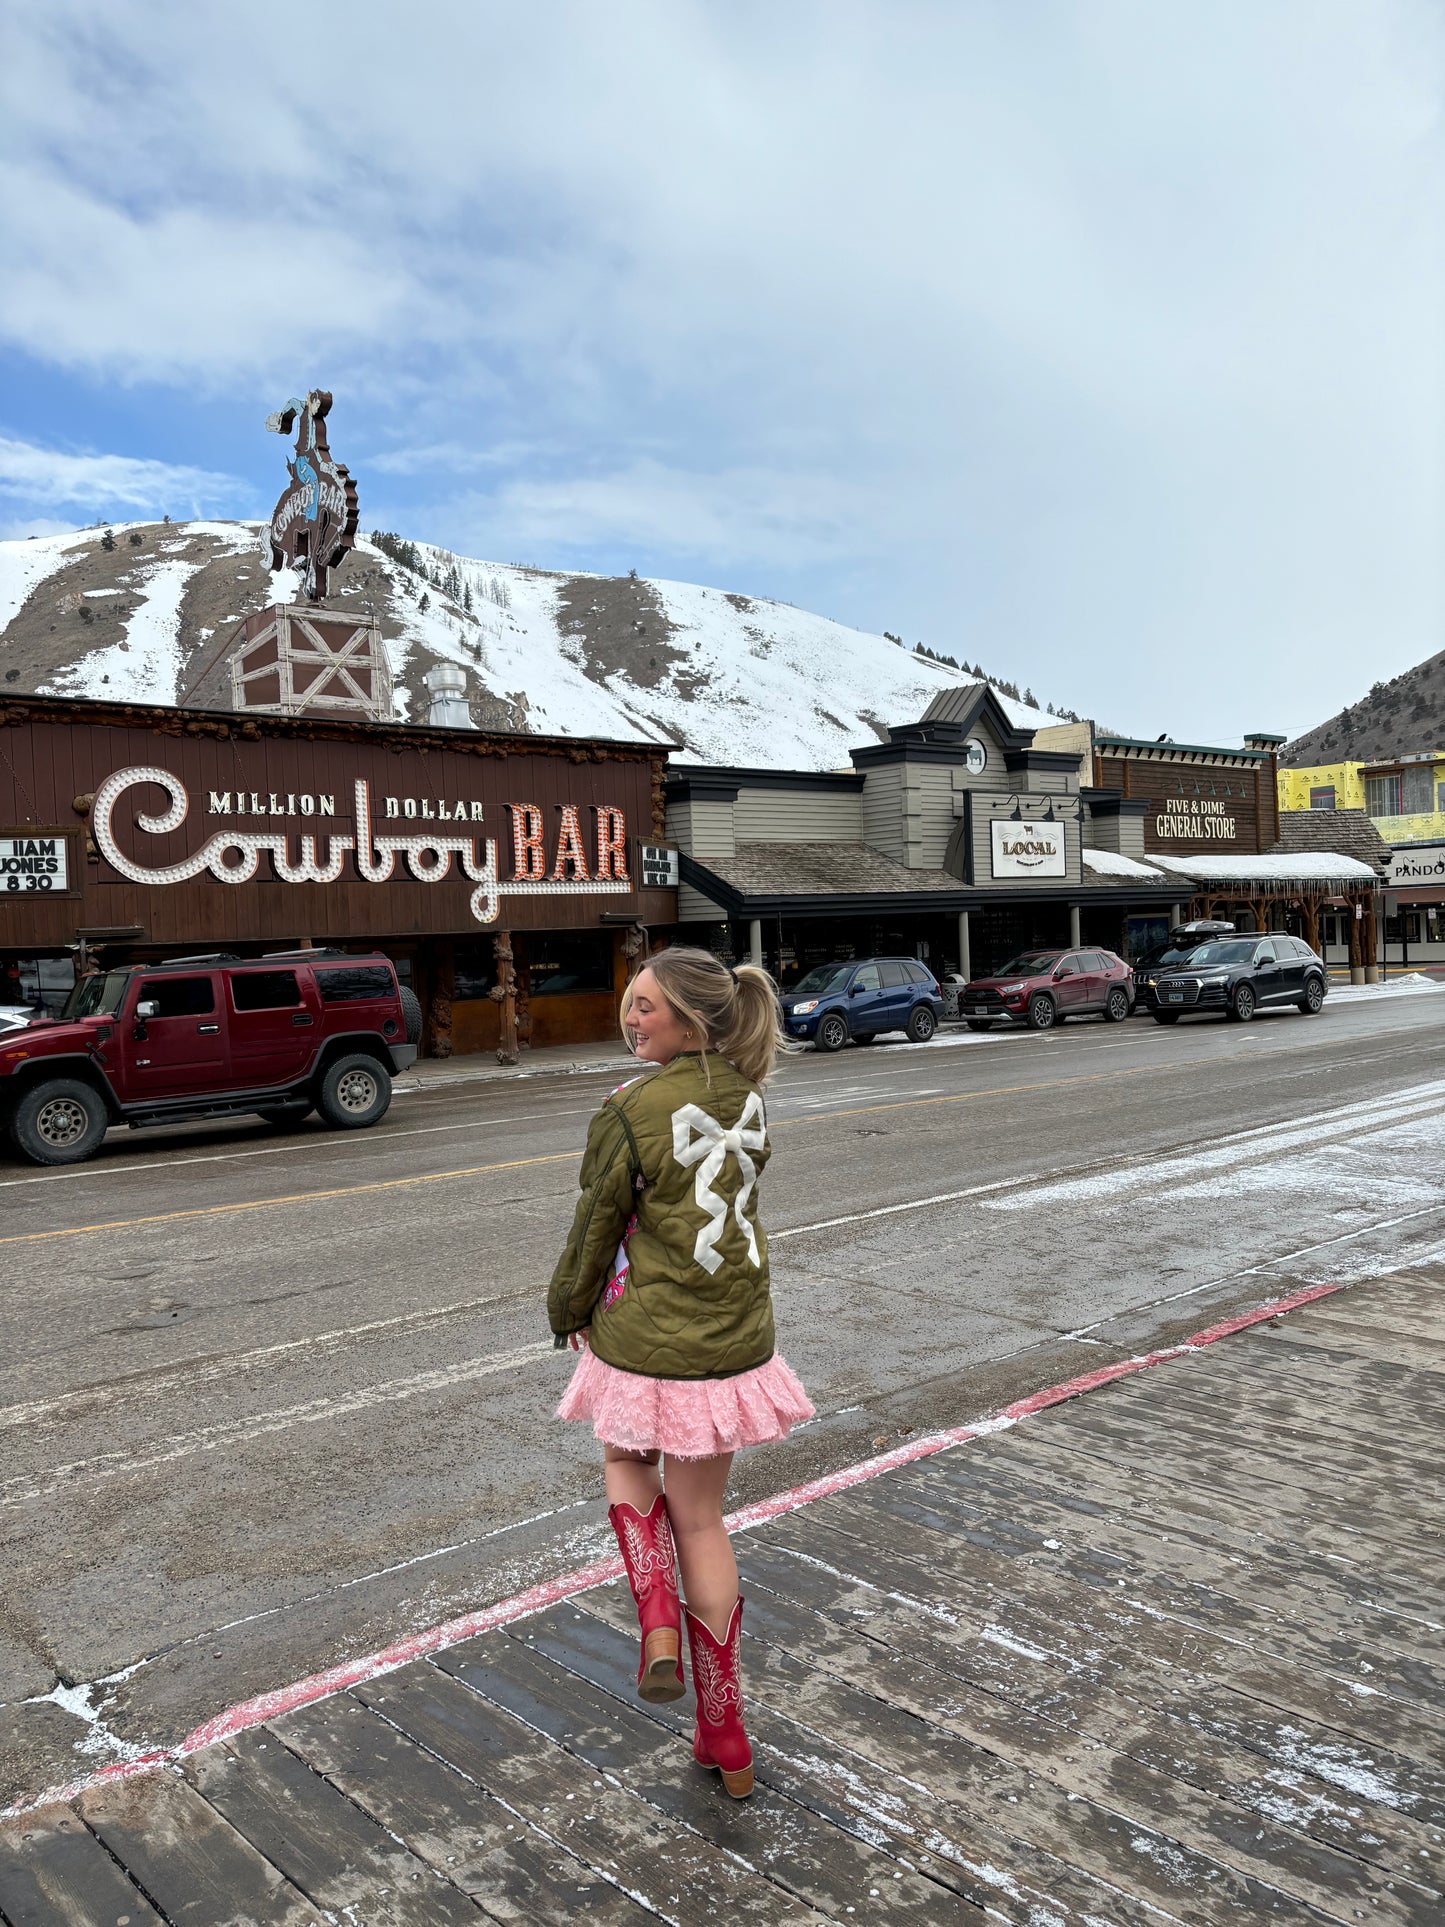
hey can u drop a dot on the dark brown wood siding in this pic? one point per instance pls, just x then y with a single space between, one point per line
1190 794
52 755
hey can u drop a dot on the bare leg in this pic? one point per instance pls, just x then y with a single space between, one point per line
632 1478
709 1571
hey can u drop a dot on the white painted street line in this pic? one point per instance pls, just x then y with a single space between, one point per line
20 1490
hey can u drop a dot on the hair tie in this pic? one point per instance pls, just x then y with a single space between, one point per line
734 975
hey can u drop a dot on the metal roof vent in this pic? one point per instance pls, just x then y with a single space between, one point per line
447 686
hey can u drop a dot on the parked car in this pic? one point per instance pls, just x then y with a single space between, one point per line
1041 988
862 1000
1182 942
1235 976
209 1036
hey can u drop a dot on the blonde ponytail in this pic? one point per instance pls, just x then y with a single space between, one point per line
734 1011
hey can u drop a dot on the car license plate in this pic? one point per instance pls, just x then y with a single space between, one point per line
1174 997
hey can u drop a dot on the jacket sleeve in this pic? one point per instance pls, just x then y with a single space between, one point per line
601 1217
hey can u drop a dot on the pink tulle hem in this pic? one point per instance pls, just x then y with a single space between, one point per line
690 1418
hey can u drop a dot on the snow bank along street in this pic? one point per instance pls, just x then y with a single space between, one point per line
246 1374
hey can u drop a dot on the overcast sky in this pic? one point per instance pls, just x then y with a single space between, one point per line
1098 341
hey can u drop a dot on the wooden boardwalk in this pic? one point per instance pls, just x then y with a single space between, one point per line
1168 1652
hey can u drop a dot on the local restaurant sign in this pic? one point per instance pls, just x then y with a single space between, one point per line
1028 849
1196 816
582 860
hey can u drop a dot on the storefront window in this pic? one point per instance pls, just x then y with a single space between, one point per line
1382 795
566 965
476 971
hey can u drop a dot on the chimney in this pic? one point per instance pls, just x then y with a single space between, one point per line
447 686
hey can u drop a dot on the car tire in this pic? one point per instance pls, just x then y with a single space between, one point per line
283 1115
1313 1000
1116 1006
921 1024
354 1092
1043 1012
62 1121
411 1013
1166 1016
832 1032
979 1023
1243 1004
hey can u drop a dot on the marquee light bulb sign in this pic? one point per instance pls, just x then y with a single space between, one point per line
234 855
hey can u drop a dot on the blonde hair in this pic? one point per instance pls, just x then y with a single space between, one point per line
734 1012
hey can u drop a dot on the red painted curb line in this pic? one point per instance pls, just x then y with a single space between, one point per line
336 1679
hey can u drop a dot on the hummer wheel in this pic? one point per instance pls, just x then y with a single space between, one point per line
63 1121
354 1092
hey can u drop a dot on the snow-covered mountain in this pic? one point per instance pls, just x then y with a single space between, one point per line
128 613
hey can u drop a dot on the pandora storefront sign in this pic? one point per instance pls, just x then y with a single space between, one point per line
1028 849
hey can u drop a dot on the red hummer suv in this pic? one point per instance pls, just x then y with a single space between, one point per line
213 1036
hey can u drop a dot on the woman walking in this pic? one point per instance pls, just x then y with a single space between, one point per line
663 1287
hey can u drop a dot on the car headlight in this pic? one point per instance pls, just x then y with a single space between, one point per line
1007 990
801 1010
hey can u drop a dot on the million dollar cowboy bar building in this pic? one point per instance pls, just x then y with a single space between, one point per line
511 878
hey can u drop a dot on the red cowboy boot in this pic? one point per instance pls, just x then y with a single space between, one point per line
719 1739
651 1562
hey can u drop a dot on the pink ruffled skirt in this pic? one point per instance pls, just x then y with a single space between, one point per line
688 1418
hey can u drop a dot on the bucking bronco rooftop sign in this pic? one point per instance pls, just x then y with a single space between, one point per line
440 834
313 525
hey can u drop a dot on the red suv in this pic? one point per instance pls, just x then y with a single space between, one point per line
1043 987
213 1036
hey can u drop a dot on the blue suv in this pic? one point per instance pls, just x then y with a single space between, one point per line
837 1001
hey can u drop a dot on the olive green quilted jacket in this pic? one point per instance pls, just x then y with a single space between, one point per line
695 1303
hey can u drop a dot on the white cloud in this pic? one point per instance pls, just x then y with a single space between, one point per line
87 481
1096 338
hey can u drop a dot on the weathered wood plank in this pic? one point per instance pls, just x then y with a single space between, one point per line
512 1872
1245 1482
1280 1616
1021 1516
337 1855
1293 1776
54 1873
813 1860
191 1861
990 1864
669 1868
1077 1623
1329 1343
1235 1516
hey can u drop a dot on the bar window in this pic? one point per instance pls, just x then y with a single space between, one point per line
562 966
474 972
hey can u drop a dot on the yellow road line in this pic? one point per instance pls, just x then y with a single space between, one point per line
552 1157
298 1197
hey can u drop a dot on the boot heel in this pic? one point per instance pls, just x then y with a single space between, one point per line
738 1784
661 1679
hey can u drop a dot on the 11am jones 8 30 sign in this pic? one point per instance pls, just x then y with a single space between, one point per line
32 864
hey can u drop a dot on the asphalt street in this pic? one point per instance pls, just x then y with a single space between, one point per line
268 1401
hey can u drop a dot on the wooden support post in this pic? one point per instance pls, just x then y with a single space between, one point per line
1371 941
504 994
1357 940
443 989
1310 912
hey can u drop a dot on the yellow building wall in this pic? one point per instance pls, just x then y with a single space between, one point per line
1349 786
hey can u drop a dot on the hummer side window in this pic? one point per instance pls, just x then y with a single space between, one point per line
178 996
265 990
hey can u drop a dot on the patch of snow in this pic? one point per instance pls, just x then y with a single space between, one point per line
1108 863
25 565
1392 987
1287 866
142 667
100 592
